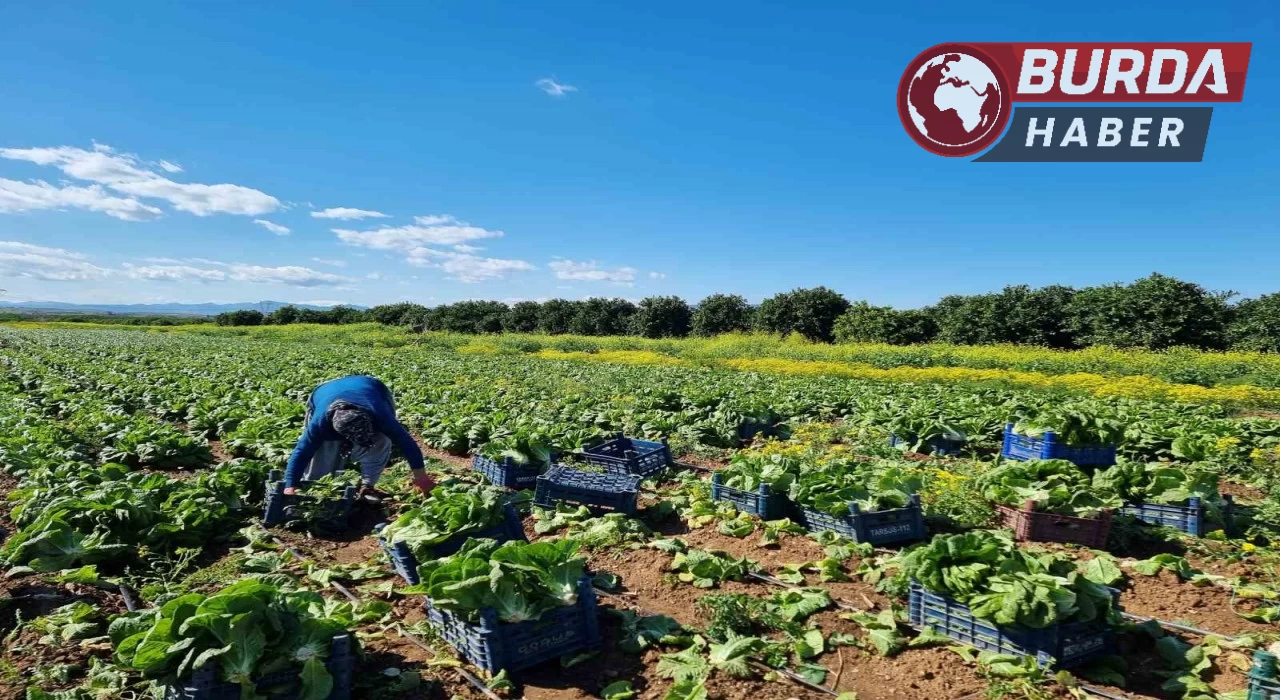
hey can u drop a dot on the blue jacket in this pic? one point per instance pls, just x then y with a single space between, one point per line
366 392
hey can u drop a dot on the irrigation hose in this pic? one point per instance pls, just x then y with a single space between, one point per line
466 675
1101 693
129 603
1176 626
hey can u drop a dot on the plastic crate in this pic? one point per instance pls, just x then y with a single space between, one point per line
1028 525
205 683
761 502
1263 684
281 508
1021 447
879 527
1190 518
507 473
497 646
601 492
406 564
938 446
624 455
1063 645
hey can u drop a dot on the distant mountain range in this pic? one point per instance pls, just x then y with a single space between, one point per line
207 309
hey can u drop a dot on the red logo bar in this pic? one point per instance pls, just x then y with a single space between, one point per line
1123 72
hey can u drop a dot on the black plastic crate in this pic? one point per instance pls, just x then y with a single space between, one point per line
1263 684
624 455
511 646
405 564
1063 645
1022 448
878 527
762 502
1190 518
280 508
508 473
939 445
204 683
601 492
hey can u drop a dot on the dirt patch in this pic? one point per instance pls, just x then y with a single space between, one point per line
791 549
916 674
1242 493
1168 598
220 453
703 462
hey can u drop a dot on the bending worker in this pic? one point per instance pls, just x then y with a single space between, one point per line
353 417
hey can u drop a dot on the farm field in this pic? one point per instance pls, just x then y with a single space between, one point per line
140 459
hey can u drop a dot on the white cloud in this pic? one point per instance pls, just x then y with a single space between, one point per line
591 271
19 259
174 273
125 174
169 167
292 275
17 197
272 227
657 275
472 268
555 89
415 243
347 214
330 262
426 230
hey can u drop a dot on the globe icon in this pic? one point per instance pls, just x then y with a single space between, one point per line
955 101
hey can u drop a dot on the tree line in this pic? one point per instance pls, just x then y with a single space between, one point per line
1155 312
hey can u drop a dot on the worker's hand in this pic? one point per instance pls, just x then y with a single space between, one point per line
289 490
423 482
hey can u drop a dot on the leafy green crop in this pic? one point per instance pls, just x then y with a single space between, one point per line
706 569
1056 486
250 629
518 580
451 510
1080 424
1000 582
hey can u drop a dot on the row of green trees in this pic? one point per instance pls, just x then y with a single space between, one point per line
1155 312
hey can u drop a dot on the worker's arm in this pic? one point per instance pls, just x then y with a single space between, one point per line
301 457
401 438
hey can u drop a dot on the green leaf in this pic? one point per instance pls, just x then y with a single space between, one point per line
618 690
1103 570
813 673
687 690
317 683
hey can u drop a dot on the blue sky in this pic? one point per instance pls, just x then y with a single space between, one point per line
693 148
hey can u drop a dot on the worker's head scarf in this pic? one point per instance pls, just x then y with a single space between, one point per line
352 423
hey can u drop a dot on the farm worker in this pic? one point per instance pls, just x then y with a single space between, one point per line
357 414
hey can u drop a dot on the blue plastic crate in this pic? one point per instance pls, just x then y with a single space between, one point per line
601 492
205 682
879 527
1190 518
1062 645
624 455
406 564
497 646
938 445
762 502
1021 447
507 473
281 508
1263 684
